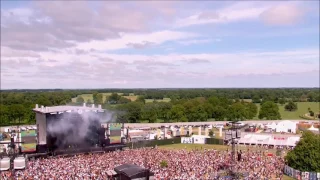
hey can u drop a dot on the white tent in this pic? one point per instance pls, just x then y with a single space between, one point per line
286 126
313 128
273 126
268 139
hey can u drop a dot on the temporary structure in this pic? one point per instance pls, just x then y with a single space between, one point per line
286 126
268 139
313 128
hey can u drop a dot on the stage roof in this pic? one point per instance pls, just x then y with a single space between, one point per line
57 109
132 171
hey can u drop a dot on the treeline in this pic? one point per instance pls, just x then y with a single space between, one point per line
296 95
186 104
16 107
197 109
272 94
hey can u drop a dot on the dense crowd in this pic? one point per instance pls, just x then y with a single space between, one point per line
181 164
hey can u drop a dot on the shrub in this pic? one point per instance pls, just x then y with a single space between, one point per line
163 164
311 113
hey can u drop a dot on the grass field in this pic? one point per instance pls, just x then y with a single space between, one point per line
302 106
302 109
86 97
158 100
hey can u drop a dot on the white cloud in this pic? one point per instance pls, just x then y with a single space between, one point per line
283 15
72 45
125 39
198 41
269 12
124 69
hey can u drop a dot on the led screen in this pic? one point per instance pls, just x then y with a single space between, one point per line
115 133
29 138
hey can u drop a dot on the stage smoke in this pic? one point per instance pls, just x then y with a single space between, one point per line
76 129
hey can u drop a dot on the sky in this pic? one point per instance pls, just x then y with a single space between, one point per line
159 44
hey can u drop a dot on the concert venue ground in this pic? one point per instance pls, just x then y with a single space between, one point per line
216 147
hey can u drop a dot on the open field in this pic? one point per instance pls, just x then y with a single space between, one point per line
158 100
302 106
302 109
86 97
211 146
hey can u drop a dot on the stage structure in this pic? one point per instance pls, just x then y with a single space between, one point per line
115 132
232 136
73 127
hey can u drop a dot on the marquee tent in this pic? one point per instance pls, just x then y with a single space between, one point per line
286 126
313 128
269 139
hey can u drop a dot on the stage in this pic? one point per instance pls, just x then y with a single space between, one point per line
76 129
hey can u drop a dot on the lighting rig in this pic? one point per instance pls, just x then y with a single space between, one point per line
232 136
12 151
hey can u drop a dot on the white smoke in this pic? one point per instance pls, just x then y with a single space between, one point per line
66 124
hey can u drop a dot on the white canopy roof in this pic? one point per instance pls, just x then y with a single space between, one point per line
313 128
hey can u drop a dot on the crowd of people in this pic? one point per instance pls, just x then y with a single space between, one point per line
181 164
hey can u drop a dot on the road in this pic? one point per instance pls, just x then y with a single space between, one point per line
137 125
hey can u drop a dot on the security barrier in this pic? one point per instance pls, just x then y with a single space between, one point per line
296 174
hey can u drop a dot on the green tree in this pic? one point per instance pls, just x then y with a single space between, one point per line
198 113
133 111
98 99
113 98
177 113
211 133
163 164
219 113
80 99
141 99
208 108
4 113
311 113
94 96
256 99
123 100
163 110
149 112
270 111
236 111
16 112
291 106
305 156
282 101
251 110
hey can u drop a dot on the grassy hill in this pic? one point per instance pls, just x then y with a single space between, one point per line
302 109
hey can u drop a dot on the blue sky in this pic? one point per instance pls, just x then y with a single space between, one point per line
81 44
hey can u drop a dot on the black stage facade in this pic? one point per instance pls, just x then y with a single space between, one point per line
76 129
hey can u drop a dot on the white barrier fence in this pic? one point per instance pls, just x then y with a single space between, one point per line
193 140
187 140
